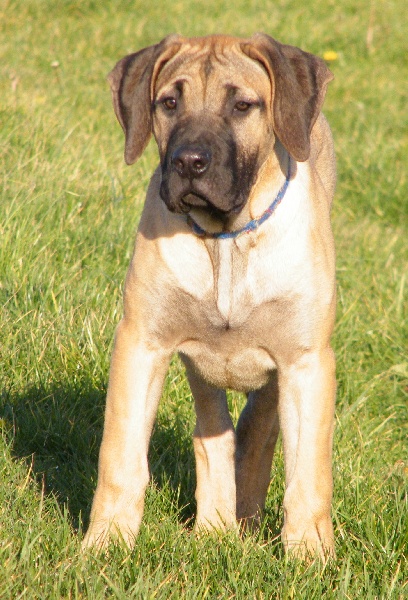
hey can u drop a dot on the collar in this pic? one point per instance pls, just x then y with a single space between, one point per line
252 225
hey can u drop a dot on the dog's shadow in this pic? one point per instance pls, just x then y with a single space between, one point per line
57 432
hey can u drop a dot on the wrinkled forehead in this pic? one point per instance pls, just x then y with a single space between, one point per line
211 64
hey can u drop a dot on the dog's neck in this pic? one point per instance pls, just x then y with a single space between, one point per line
262 203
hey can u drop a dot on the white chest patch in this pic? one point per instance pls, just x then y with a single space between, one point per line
230 277
224 278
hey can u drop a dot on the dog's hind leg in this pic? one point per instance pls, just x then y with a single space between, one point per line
257 432
214 447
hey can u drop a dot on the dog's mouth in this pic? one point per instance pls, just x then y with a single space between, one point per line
196 201
199 196
193 200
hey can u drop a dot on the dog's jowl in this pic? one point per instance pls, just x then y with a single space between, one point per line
233 269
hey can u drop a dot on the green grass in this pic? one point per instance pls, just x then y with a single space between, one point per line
68 212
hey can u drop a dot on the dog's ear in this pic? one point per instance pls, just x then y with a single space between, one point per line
132 81
299 82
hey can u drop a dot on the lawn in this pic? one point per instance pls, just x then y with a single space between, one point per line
69 208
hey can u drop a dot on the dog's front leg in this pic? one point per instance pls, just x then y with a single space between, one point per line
306 411
214 447
135 384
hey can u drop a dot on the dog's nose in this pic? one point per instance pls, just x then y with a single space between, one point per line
191 161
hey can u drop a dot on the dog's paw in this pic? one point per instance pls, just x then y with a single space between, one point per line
213 521
100 534
95 539
316 541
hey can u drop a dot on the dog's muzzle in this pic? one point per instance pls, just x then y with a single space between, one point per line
202 169
191 162
186 168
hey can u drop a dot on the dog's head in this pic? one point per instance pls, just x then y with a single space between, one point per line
215 106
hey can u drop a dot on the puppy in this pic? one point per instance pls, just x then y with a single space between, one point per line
234 269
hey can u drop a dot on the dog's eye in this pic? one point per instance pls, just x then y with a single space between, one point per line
242 106
169 103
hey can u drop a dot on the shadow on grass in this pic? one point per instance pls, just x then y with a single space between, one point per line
58 432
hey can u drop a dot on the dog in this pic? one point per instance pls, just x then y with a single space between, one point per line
234 269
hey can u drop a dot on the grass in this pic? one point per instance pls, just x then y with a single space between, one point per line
68 211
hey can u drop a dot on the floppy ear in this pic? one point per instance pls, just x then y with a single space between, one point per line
132 81
299 82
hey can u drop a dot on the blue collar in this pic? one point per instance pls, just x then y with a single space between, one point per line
252 225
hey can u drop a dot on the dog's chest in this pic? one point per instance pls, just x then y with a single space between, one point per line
236 303
224 282
231 292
